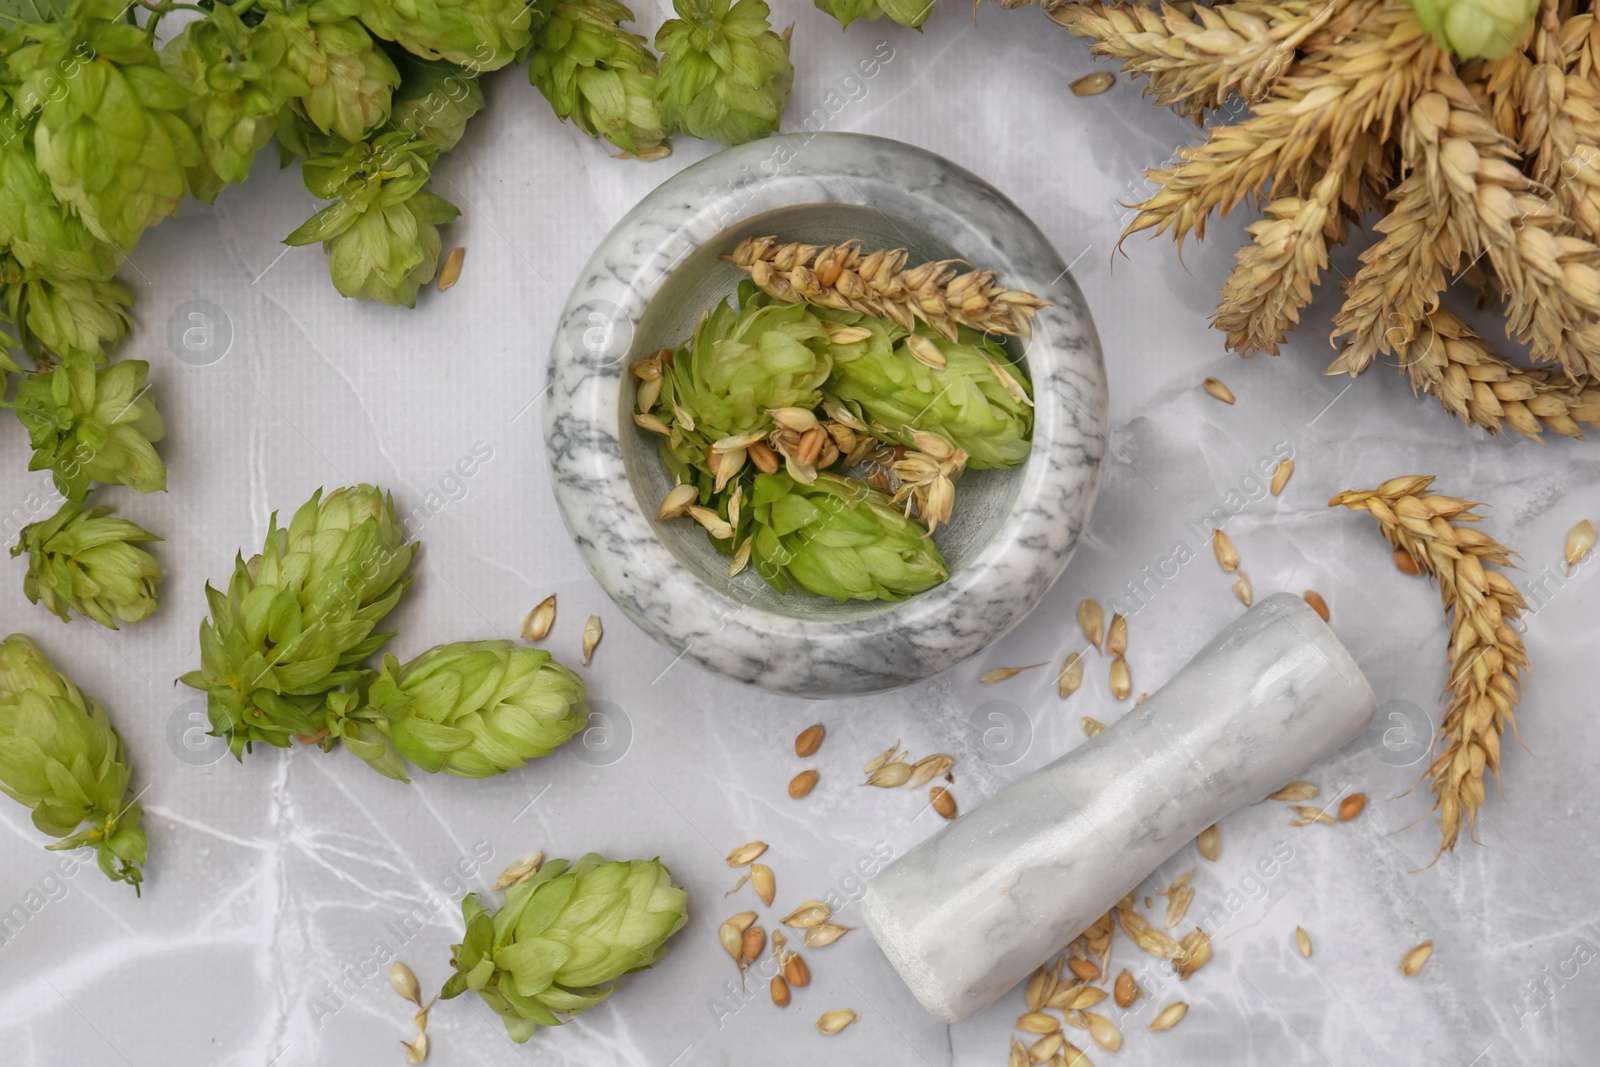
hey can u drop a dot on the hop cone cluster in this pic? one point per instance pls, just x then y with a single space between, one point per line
1477 29
724 74
840 538
472 709
85 561
598 74
482 35
93 424
381 234
296 623
60 756
108 121
564 937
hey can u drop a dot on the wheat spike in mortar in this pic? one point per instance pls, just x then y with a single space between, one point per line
973 910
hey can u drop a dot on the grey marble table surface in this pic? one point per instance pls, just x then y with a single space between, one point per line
278 890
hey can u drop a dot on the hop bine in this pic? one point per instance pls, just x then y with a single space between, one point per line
60 756
598 74
89 423
565 936
381 234
296 623
472 709
724 74
82 560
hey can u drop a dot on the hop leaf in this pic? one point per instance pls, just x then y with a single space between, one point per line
382 234
238 80
297 621
564 937
110 135
60 757
724 73
435 101
1473 29
839 538
93 424
477 708
348 79
597 74
976 401
80 559
482 35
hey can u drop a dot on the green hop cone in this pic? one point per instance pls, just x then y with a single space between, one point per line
238 80
978 401
60 756
839 538
62 312
435 100
93 424
382 234
740 365
41 232
297 621
348 79
598 74
475 708
724 73
482 35
911 13
1477 29
564 937
110 131
82 560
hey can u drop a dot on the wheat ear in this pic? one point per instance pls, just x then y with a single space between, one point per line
1487 659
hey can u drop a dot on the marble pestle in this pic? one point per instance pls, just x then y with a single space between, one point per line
973 910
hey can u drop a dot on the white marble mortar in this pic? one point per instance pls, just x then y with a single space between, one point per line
645 287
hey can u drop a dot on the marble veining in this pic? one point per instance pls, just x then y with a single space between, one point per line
1031 518
973 910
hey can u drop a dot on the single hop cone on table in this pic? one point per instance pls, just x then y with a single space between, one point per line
85 561
60 756
482 35
724 74
348 79
109 132
472 709
93 424
564 938
435 100
296 622
382 233
840 538
1477 29
239 80
598 74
